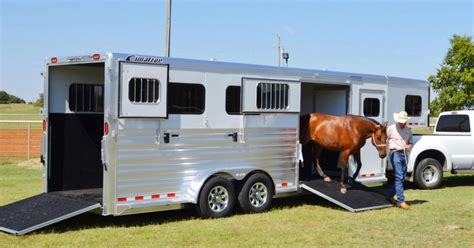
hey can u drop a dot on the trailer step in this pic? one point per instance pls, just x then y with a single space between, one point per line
45 209
357 198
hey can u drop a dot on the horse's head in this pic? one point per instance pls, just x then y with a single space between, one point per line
379 140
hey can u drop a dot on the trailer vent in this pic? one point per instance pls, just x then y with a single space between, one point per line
272 96
143 90
86 98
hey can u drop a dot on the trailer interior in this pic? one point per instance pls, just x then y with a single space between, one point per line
326 99
75 125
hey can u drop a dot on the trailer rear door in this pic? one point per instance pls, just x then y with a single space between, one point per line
45 209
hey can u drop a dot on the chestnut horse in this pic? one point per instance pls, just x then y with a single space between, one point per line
345 134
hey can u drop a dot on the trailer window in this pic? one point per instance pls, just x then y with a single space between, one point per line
413 105
143 90
232 100
453 123
186 98
371 107
86 98
272 96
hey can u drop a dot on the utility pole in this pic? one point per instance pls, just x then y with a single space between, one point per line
278 50
167 28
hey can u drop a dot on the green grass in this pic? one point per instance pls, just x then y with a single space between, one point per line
439 218
19 112
422 130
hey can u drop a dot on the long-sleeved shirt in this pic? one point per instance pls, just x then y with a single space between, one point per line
398 137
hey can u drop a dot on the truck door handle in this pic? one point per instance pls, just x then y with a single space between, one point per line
234 136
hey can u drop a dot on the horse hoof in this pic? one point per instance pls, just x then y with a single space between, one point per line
327 179
343 190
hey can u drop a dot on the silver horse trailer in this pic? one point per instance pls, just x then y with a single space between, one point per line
126 134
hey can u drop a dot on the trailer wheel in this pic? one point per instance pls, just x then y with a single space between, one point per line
256 194
217 198
428 174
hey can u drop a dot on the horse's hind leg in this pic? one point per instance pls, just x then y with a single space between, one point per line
317 153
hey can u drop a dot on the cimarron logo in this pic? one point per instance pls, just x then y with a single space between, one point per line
143 59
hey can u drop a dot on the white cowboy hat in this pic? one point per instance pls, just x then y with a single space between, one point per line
401 117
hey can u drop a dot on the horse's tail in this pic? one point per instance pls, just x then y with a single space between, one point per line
304 129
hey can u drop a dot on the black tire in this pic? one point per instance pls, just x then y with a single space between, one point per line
256 194
428 174
217 198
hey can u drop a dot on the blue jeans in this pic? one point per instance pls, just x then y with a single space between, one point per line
399 165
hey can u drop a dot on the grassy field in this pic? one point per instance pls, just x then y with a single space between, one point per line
438 218
12 111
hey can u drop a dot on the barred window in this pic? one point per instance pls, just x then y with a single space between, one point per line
86 98
371 107
413 105
186 98
272 96
232 100
143 90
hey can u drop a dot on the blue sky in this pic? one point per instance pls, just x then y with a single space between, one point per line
397 37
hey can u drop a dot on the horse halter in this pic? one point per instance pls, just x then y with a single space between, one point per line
375 143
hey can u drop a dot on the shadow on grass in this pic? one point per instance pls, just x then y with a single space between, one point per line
449 182
90 220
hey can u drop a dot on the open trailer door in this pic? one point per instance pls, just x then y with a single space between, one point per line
45 209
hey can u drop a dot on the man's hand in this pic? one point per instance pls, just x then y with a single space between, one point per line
408 147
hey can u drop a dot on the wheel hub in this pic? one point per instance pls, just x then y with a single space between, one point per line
258 194
430 174
218 199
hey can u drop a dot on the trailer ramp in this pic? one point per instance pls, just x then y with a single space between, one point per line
357 198
45 209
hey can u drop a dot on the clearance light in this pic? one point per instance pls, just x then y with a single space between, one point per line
106 128
54 60
96 56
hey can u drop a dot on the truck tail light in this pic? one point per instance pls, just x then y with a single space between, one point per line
44 125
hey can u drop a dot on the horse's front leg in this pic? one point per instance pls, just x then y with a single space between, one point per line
344 161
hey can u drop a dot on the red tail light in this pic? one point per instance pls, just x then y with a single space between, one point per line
44 125
106 128
96 56
54 60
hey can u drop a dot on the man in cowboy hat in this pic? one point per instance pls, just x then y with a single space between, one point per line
399 138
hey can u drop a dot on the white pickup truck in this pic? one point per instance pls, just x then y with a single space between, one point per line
449 148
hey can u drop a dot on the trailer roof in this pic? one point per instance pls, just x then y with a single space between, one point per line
300 74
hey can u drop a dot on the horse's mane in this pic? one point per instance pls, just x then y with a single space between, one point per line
370 119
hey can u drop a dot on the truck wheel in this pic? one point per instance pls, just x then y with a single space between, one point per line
428 174
256 194
217 198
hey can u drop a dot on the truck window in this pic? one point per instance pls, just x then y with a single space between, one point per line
186 98
232 100
371 107
413 105
272 96
86 98
453 123
143 90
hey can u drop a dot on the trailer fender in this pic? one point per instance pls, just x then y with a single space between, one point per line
198 182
